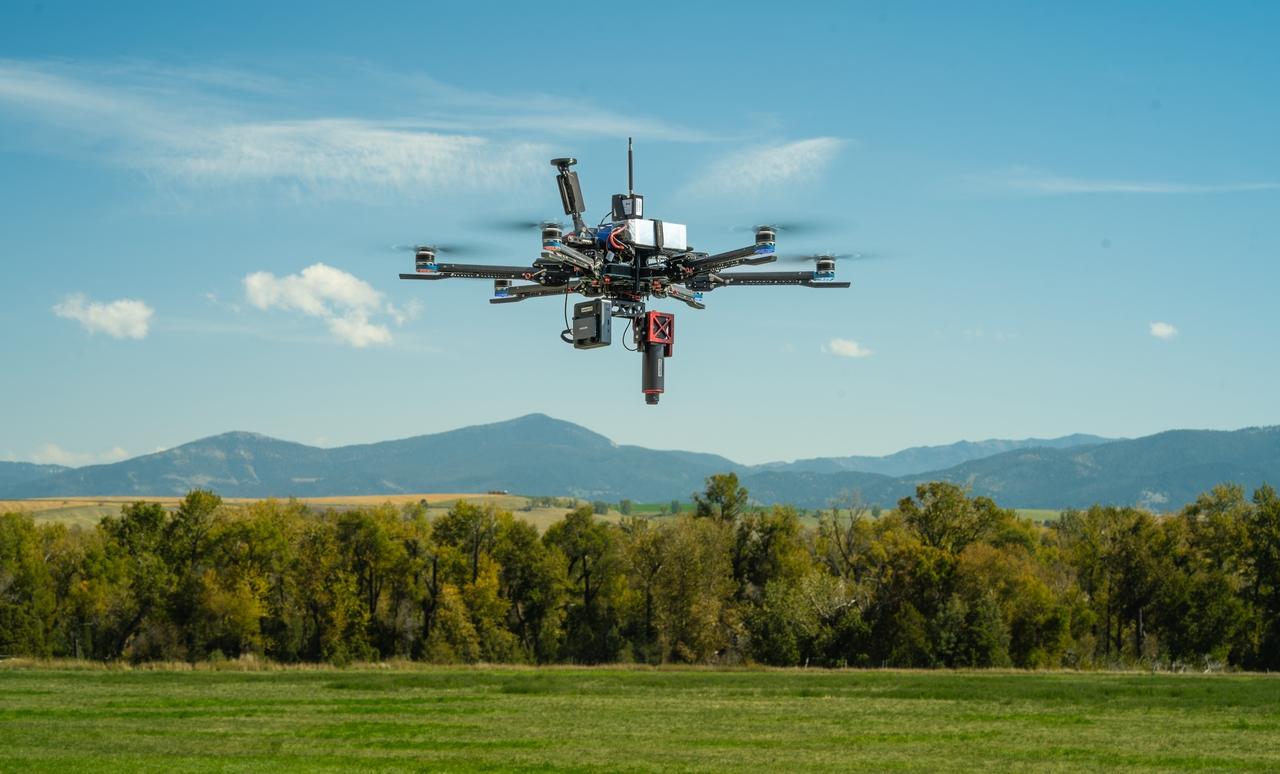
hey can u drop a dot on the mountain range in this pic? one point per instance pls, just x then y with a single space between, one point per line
539 455
20 472
919 459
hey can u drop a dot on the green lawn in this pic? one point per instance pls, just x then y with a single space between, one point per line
633 720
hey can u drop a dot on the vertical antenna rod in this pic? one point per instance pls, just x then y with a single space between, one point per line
630 205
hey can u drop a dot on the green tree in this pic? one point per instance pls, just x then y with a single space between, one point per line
945 518
254 552
335 618
1112 552
80 586
533 579
723 499
1015 614
1262 581
644 553
594 577
471 528
768 546
810 620
369 548
693 613
27 601
139 626
418 586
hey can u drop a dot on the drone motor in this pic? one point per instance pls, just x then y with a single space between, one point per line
424 260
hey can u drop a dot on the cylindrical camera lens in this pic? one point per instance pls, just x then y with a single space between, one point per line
652 377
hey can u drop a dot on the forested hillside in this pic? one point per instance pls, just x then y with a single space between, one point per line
944 579
922 459
13 473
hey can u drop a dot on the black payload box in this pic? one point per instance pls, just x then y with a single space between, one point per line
592 324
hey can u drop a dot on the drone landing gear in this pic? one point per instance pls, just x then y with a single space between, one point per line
655 338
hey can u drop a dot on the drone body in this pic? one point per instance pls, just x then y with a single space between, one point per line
620 263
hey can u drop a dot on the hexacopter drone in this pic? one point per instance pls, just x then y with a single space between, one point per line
620 263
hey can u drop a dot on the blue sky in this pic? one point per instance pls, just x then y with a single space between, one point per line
1078 204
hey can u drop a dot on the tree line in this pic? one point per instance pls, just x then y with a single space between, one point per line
943 580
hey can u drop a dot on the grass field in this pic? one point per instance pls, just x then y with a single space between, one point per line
633 720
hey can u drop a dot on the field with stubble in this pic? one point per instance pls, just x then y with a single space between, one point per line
619 719
87 511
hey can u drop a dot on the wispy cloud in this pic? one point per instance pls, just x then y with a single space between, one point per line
125 318
846 348
1163 330
209 126
768 165
53 454
343 301
1031 182
347 154
185 135
540 113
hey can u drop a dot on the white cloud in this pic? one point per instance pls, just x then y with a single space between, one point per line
53 454
1031 182
1163 330
768 165
125 318
343 301
845 348
355 329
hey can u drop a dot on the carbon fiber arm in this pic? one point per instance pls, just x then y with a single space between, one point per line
726 279
475 271
680 294
521 292
752 256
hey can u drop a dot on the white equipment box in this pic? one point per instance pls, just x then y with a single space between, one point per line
643 232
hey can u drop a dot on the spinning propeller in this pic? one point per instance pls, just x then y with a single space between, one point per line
796 227
454 248
819 257
524 226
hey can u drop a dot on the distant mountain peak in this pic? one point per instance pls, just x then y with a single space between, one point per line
241 435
